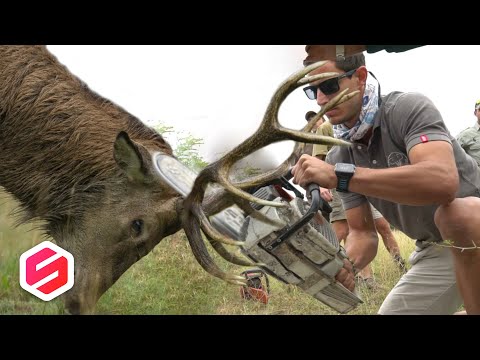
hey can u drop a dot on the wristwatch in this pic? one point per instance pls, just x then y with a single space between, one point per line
344 173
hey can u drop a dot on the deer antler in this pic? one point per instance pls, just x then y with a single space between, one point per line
270 131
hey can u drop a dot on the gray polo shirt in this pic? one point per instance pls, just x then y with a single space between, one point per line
469 140
403 121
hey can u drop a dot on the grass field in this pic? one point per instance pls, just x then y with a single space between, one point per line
170 281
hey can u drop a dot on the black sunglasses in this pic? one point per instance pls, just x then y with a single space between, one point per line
328 87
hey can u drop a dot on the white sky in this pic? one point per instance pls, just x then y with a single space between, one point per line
219 93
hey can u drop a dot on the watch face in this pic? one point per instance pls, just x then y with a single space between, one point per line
347 168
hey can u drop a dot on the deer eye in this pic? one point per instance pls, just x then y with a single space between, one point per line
137 227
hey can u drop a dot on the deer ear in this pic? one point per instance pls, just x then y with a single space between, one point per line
128 156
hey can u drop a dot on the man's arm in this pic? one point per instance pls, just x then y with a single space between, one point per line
432 174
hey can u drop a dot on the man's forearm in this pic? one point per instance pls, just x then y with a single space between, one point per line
419 184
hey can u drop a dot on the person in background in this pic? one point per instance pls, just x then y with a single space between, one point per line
469 139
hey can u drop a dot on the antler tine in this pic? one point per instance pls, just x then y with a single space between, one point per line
192 203
192 230
233 258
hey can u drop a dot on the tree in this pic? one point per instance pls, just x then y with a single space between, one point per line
186 149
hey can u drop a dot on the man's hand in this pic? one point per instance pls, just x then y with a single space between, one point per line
310 169
346 276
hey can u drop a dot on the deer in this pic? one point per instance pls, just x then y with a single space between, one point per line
82 166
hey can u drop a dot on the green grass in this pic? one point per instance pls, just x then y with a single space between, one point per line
170 281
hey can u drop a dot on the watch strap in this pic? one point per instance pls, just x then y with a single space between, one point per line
342 183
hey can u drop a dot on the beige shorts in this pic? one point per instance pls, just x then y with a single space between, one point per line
338 213
428 288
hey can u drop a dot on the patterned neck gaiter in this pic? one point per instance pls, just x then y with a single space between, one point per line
365 121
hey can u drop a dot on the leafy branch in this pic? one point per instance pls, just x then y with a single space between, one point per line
186 149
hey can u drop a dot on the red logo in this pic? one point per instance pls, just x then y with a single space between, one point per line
424 138
46 271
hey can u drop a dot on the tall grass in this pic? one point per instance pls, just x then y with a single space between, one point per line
170 281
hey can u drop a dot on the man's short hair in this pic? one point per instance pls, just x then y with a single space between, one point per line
477 105
349 63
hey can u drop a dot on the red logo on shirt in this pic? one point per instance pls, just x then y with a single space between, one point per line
424 138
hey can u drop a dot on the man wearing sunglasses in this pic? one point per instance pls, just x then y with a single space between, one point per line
404 162
469 139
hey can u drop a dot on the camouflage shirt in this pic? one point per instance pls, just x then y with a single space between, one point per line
469 140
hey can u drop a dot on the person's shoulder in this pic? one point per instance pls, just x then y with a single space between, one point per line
466 131
398 100
391 98
403 97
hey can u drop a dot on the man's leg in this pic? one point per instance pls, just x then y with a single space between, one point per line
428 288
459 224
